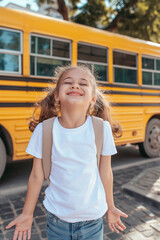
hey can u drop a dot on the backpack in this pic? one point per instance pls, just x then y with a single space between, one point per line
48 141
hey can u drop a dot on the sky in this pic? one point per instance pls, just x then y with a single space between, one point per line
20 3
23 3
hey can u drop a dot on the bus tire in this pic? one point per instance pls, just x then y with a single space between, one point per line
3 157
151 146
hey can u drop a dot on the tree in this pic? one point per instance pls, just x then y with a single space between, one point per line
91 13
62 8
136 18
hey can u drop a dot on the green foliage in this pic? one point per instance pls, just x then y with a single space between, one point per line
90 13
137 18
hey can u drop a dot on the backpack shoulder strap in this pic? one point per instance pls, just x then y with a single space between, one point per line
47 146
98 131
48 140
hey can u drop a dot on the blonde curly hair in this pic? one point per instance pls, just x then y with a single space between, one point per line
49 107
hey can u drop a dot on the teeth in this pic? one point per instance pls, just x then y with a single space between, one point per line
75 94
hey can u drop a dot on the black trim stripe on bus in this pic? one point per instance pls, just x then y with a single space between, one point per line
49 80
135 104
130 93
21 88
30 104
39 89
16 104
116 85
25 79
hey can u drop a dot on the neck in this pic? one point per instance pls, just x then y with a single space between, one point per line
72 118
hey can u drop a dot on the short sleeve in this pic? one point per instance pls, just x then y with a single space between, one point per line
109 147
34 147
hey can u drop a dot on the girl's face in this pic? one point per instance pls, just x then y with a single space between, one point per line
76 89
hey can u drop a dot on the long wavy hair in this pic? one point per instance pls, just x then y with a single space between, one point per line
49 107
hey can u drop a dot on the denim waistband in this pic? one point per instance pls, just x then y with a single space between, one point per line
51 215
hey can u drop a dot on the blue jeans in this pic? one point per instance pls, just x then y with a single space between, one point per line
85 230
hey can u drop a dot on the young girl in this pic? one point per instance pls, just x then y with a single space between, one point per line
79 193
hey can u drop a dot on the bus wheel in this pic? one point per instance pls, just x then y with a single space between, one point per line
3 157
151 146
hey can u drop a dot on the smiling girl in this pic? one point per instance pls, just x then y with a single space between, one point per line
80 193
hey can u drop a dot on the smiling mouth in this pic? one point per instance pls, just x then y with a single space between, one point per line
74 94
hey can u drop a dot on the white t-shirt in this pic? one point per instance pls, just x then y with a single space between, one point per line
76 191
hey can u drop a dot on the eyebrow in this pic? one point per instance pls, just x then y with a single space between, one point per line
71 78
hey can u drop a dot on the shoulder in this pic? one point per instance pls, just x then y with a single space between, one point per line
38 128
107 127
98 120
106 124
39 125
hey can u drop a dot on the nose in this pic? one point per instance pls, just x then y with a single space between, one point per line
75 86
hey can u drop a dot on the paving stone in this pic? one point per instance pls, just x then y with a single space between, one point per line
6 210
6 223
143 227
136 236
2 237
43 234
128 229
7 216
147 212
156 236
9 235
105 237
125 238
40 220
5 205
151 221
34 230
146 185
106 228
114 236
125 207
139 214
152 238
18 204
147 219
132 221
156 227
38 212
42 226
148 233
35 237
19 211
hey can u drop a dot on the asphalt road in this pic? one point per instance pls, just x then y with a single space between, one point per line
16 175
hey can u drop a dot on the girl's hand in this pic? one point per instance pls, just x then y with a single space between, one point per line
23 225
114 221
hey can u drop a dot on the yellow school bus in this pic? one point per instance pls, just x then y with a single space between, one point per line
32 45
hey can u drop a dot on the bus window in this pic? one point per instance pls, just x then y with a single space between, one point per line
10 51
125 67
48 53
95 57
61 49
151 71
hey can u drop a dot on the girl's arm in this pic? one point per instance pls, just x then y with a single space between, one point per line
24 221
113 214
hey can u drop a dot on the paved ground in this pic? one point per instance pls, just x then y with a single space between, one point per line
143 221
146 186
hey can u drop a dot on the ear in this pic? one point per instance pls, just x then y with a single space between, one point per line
92 102
56 97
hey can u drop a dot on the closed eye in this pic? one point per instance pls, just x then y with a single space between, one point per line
67 83
83 84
